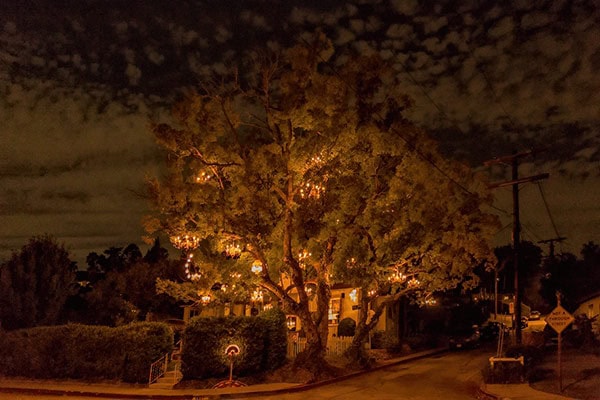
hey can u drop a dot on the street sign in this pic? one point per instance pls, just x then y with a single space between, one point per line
559 319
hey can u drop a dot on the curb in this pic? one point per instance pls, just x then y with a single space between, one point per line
216 396
482 394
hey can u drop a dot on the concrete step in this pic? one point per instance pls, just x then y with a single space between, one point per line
158 385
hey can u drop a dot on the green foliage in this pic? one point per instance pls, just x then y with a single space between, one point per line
261 340
276 333
35 284
123 287
84 352
386 340
346 327
288 156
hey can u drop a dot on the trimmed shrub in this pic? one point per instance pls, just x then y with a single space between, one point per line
276 339
346 327
262 341
84 352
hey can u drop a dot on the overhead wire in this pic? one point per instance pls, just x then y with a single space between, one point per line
514 125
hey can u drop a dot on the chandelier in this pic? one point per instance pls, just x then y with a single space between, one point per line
233 250
302 256
185 242
257 295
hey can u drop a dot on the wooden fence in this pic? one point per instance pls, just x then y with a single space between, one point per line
335 345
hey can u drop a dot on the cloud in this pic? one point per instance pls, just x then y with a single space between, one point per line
76 92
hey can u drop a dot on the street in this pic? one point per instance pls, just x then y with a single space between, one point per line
447 376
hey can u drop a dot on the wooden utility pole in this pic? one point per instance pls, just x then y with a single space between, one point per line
551 243
515 182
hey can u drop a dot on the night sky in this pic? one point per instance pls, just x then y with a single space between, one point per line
80 80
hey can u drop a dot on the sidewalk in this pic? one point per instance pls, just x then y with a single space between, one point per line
516 392
124 391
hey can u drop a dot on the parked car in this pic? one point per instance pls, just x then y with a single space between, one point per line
490 330
467 337
534 315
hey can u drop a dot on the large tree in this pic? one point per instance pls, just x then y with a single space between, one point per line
35 284
312 173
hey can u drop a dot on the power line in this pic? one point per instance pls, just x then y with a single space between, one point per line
548 209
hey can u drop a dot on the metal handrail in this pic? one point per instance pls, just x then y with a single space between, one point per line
158 369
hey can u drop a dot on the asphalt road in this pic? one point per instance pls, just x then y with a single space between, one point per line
447 376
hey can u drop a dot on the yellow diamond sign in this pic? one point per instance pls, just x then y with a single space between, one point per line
559 319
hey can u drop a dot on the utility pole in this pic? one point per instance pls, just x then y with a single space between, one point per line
551 243
515 181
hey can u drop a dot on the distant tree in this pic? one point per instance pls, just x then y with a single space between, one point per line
35 284
530 272
315 176
112 259
127 288
575 278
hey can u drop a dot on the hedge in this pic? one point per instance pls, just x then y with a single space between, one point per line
262 341
88 352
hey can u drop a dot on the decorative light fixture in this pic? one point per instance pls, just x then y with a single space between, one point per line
290 322
372 292
257 295
205 299
235 275
185 242
203 177
257 267
311 190
351 263
413 283
302 256
233 250
397 276
430 301
191 271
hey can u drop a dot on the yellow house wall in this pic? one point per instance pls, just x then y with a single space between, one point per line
591 308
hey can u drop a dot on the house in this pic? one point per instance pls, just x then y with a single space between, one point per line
590 307
344 303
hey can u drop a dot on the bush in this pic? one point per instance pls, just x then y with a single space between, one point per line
346 327
503 372
514 372
84 352
386 340
275 340
531 354
262 341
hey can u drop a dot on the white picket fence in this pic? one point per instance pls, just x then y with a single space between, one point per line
335 345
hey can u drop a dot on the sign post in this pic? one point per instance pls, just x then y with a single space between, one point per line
559 319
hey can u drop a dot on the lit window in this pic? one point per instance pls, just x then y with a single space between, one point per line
334 311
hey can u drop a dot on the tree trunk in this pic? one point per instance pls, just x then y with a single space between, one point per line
356 354
316 327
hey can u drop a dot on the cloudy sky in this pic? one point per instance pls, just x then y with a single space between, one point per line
80 80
